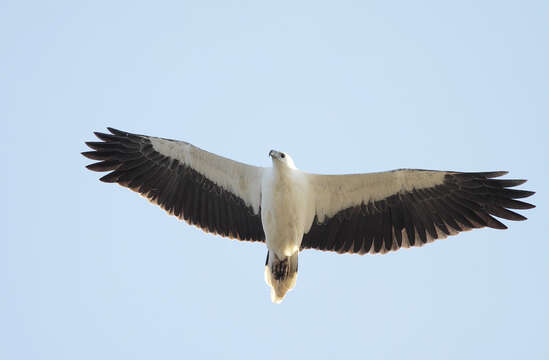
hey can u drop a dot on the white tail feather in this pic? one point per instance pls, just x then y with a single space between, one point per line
284 283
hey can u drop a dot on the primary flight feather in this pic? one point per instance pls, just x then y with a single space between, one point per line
291 210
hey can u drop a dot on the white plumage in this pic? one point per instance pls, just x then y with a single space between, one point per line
293 210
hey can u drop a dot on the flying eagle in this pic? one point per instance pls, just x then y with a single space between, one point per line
291 210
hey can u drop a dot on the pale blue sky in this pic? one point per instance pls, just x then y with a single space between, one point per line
93 271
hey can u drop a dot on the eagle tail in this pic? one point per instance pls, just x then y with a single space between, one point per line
280 275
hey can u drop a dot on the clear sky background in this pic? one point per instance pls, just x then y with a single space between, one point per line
93 271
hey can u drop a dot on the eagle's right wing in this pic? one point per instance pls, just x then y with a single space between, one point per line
217 194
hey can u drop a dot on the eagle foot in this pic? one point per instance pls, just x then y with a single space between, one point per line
280 269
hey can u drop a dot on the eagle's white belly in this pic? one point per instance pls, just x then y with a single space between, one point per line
283 211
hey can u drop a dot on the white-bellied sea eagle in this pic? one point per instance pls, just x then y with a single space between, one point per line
291 210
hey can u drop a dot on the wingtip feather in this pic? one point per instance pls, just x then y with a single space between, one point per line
89 154
118 132
90 144
493 174
110 178
106 165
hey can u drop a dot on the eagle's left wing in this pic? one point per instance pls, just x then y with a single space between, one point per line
380 212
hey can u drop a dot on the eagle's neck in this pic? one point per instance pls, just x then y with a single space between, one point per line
282 170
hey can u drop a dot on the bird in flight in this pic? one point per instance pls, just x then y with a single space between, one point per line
291 210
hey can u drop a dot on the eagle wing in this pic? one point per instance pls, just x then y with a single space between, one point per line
380 212
217 194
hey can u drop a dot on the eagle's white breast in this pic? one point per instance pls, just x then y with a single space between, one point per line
286 209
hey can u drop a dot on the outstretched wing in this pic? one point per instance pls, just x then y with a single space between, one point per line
380 212
217 194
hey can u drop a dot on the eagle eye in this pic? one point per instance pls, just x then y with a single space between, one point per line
283 155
